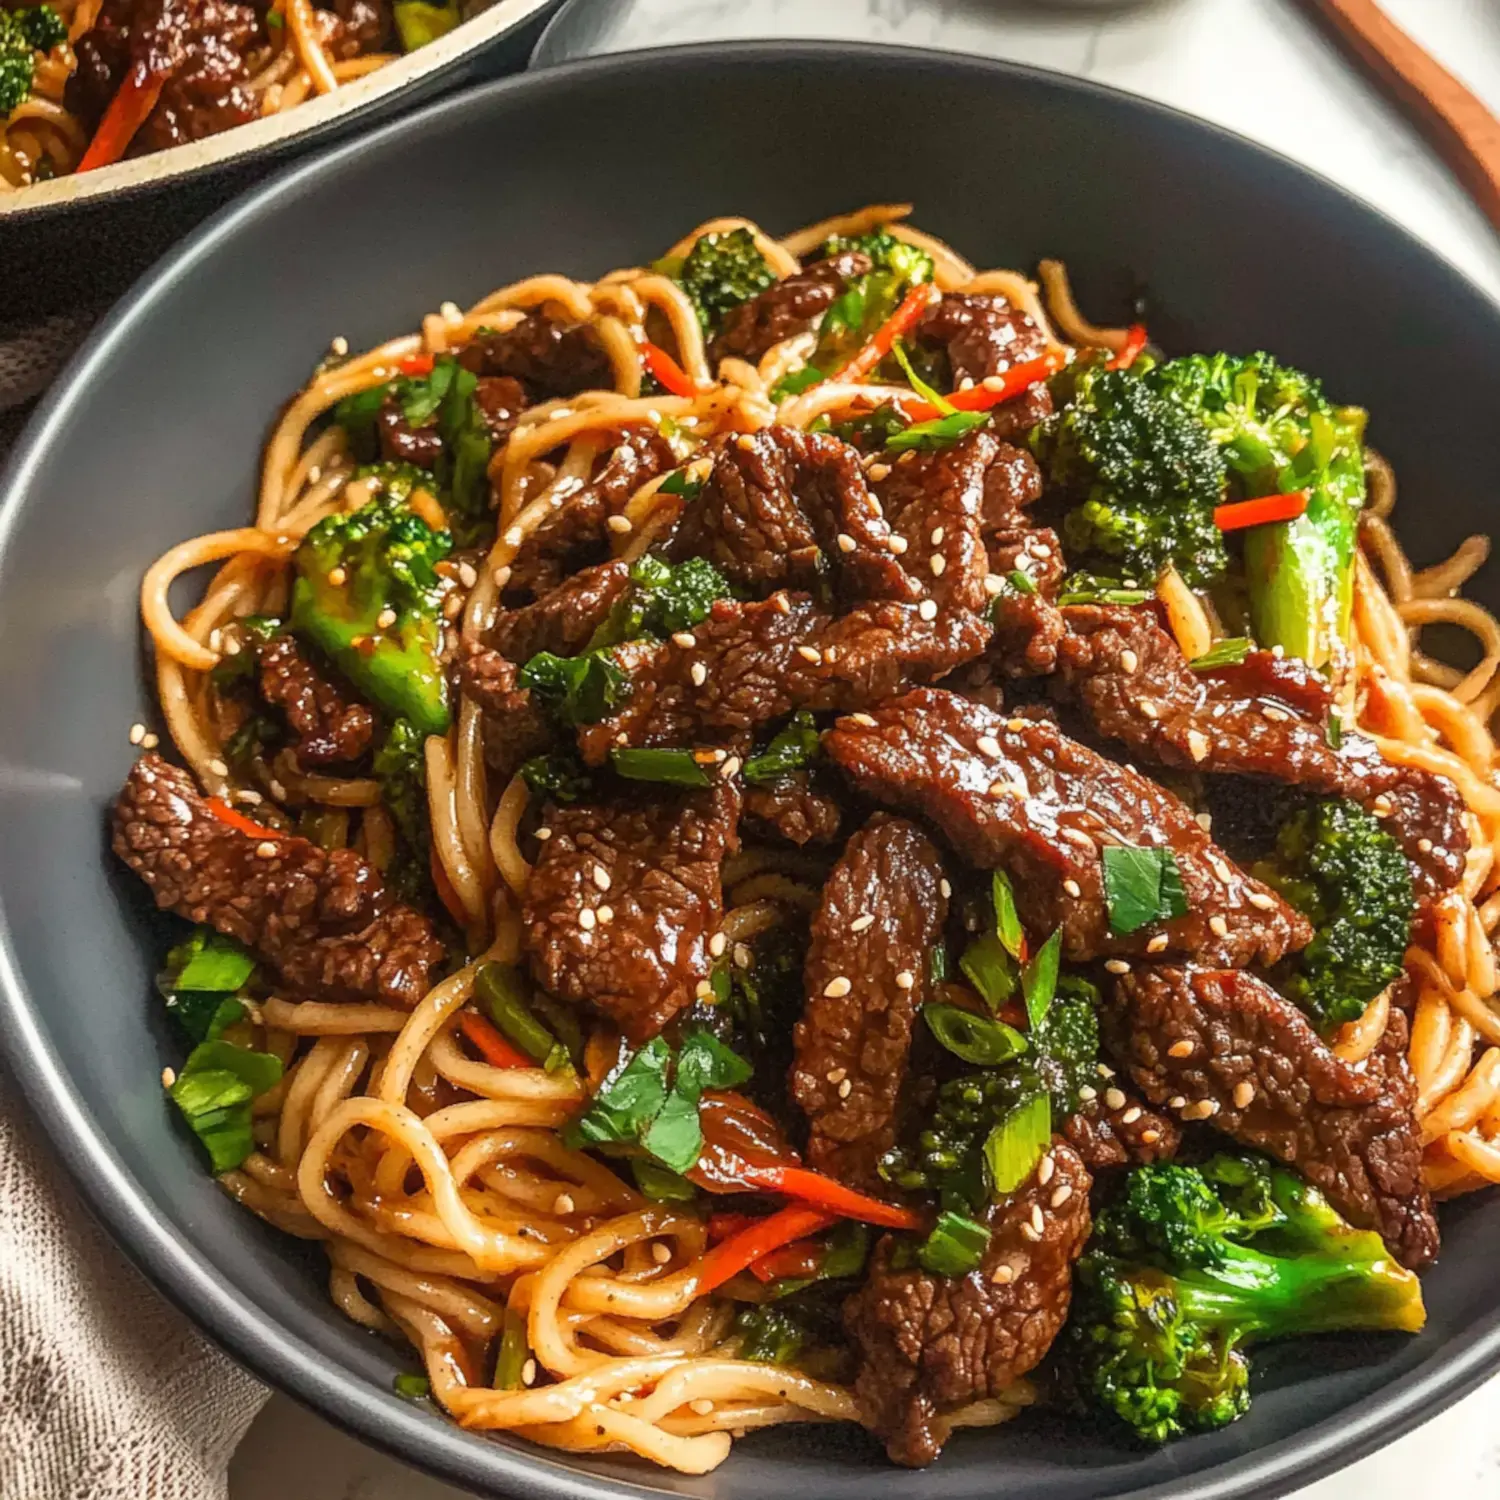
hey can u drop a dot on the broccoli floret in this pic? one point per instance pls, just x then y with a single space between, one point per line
1279 433
887 253
1191 1265
400 767
663 599
1339 867
560 776
24 33
1145 473
238 667
721 271
762 1003
368 595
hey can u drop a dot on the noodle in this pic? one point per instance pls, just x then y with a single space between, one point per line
447 1195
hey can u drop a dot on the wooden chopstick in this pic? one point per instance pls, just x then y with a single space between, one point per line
1457 124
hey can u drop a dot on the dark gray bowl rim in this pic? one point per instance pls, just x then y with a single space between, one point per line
277 1354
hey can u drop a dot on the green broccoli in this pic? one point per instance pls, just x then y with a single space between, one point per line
1279 433
910 263
762 1002
368 595
560 776
24 33
663 599
238 667
1143 471
794 747
864 305
1191 1265
1339 867
419 22
721 271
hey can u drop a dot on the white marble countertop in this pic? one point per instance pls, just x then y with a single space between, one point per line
1255 66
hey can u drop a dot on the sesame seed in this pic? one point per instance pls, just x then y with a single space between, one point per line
337 577
528 1372
215 639
514 536
837 1075
937 536
704 990
1088 1093
1038 1223
1244 1092
905 979
782 603
1129 661
1116 966
1183 1048
831 654
150 741
946 887
1003 1275
1157 943
1148 709
937 562
1275 715
860 923
702 1406
1381 806
989 744
587 918
251 799
168 1078
1061 1196
810 653
660 1253
1031 1233
1150 1137
266 849
730 768
1221 869
1131 1115
620 525
1045 1168
606 915
1104 1070
684 638
877 472
466 575
1278 652
386 618
1114 1099
218 768
451 606
1261 900
562 1204
601 877
231 647
275 787
339 346
865 721
994 585
745 442
1218 926
1204 1109
450 311
717 944
837 987
1424 846
992 383
502 575
1177 1102
846 542
699 673
897 544
997 789
1198 746
845 1089
1073 888
743 957
544 834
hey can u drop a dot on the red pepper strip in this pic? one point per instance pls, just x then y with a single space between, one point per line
982 397
1260 512
415 364
667 370
814 1188
1135 341
731 1256
134 100
800 1259
239 822
488 1041
908 310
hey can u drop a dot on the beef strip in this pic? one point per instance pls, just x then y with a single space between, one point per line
1265 717
792 810
792 306
1017 794
400 442
548 356
654 865
760 661
516 726
500 399
1035 551
322 920
574 536
562 620
1117 1129
855 1032
368 26
1012 481
784 508
929 1345
1224 1046
331 726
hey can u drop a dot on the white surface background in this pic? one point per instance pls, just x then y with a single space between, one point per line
1255 66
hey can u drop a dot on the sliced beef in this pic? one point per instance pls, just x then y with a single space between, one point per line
1017 794
1028 630
322 920
562 620
516 727
1035 551
1224 1047
792 810
789 509
332 727
792 306
550 357
1012 481
575 536
1118 1129
929 1345
866 976
369 26
760 661
1265 717
624 899
501 399
401 443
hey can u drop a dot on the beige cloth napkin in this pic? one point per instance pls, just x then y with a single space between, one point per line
106 1392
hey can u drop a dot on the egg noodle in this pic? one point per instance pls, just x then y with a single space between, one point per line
439 1218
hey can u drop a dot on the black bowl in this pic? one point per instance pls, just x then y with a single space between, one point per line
155 434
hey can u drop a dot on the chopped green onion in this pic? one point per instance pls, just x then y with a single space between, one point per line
940 432
675 767
1141 886
791 749
678 483
510 1361
990 969
1007 919
915 381
502 992
981 1040
937 963
660 1184
214 1091
1229 652
1335 734
955 1246
796 382
412 1387
1021 581
1039 978
1014 1147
